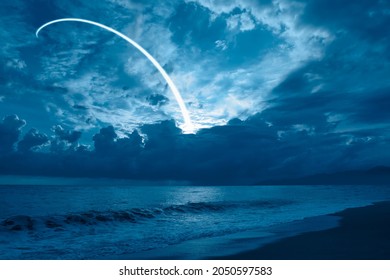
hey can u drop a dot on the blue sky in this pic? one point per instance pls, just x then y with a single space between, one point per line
274 88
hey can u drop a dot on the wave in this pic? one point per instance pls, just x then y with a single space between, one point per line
135 215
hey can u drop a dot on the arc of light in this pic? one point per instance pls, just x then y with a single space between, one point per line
188 126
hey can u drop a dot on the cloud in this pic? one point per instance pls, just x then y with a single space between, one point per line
336 93
241 152
262 45
32 140
65 141
16 63
277 89
209 49
67 135
10 129
221 44
243 22
157 100
105 140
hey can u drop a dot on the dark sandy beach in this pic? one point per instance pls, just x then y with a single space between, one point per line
363 234
353 234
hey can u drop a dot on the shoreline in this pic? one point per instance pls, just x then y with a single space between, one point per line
359 233
363 233
234 243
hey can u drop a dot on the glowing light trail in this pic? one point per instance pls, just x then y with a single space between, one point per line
188 126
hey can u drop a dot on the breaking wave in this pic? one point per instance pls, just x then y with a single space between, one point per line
134 215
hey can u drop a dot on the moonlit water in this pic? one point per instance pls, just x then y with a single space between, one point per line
90 222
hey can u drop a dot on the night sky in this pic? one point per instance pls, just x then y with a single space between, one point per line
275 89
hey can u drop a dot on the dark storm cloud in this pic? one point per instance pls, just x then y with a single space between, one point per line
32 139
241 152
105 140
107 143
67 135
10 129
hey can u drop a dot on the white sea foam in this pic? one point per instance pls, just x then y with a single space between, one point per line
87 222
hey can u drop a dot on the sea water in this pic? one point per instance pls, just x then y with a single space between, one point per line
97 222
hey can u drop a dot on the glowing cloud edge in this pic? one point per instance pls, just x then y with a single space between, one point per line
188 126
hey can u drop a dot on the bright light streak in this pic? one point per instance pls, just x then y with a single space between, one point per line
188 126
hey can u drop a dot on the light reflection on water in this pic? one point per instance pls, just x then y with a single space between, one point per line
143 218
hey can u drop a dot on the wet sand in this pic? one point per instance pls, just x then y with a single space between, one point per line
363 234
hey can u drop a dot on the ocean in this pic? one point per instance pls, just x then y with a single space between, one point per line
109 222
